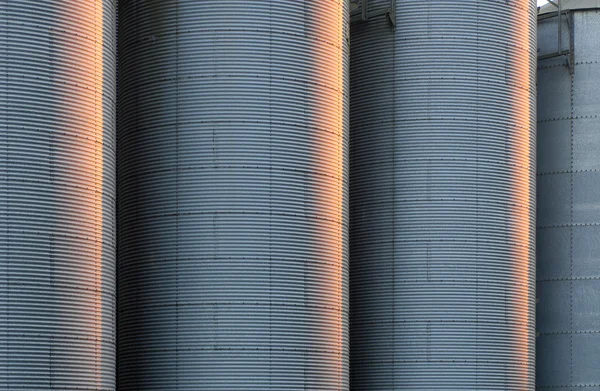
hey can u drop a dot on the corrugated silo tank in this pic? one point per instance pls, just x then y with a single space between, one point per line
233 176
442 195
568 177
57 195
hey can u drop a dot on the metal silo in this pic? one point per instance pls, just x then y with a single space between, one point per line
57 195
233 243
442 195
568 222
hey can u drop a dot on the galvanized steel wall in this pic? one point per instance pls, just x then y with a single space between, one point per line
57 195
442 197
233 247
568 223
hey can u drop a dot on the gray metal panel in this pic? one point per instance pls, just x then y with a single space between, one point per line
442 197
567 5
57 195
568 225
233 148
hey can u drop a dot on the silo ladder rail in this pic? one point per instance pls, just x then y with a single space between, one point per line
567 53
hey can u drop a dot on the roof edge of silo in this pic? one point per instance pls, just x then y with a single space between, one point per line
569 5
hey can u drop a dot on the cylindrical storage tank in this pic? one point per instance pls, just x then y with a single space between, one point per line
57 195
233 176
568 177
442 196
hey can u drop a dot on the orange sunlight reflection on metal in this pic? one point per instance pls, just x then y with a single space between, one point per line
98 125
82 71
330 122
522 214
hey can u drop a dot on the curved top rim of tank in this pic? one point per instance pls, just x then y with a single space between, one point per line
570 5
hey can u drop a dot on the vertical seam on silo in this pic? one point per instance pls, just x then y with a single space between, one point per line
304 200
506 216
52 181
570 228
7 198
177 171
341 21
215 166
338 188
270 195
116 204
394 193
340 24
477 149
97 308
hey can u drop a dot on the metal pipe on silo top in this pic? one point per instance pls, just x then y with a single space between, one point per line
442 196
568 220
233 176
57 195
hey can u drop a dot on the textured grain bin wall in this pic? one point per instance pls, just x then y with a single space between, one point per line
57 195
442 197
568 223
233 244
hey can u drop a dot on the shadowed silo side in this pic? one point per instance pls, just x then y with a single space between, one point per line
442 196
233 215
57 195
568 221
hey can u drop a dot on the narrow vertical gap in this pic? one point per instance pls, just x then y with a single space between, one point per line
136 133
138 11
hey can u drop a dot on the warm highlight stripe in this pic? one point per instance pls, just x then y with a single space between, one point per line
57 160
233 197
330 120
83 104
442 149
523 213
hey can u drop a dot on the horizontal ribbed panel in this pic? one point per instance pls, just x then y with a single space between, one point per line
568 221
233 244
442 197
57 195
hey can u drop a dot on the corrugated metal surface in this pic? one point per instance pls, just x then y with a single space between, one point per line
57 195
569 5
442 197
233 195
568 224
